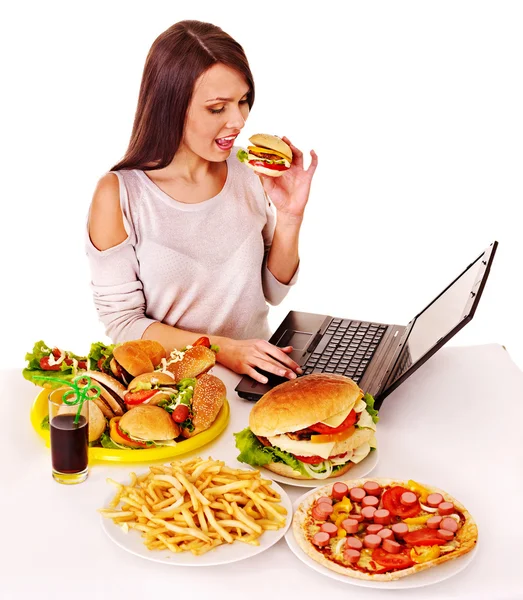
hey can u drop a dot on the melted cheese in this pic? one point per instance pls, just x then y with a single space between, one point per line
302 448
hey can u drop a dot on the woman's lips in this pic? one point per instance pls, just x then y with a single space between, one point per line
225 143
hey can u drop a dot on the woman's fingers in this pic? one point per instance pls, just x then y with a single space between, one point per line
253 373
280 356
314 163
297 154
297 157
271 366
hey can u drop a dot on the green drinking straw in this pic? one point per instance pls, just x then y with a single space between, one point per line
78 392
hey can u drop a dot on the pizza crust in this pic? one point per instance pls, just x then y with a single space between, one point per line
467 535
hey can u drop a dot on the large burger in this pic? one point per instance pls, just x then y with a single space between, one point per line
313 427
268 155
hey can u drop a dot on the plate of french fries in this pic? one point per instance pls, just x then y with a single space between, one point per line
196 512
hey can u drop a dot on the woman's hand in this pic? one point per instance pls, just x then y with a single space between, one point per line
242 356
290 192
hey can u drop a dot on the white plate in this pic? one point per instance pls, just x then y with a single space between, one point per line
421 579
356 472
226 553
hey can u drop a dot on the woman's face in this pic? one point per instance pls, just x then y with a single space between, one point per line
217 112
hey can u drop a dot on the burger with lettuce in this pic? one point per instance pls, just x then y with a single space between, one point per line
314 427
268 155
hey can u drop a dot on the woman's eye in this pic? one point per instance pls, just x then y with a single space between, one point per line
217 111
244 101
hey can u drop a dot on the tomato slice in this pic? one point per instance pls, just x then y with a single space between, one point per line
127 438
316 460
133 398
392 502
349 422
401 560
310 460
424 537
82 364
45 366
272 167
203 341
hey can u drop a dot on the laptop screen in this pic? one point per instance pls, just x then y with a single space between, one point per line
442 318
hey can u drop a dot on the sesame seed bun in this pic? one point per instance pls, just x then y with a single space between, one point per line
207 401
196 360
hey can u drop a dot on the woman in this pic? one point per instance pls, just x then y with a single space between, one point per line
183 240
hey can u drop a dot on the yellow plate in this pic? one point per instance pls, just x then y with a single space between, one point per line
40 410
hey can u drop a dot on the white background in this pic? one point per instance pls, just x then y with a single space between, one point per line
414 108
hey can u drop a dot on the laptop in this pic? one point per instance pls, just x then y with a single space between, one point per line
377 356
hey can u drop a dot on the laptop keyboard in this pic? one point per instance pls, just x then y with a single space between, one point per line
346 348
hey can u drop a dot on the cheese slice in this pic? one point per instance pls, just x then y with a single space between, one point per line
302 448
360 453
336 420
267 151
360 405
366 421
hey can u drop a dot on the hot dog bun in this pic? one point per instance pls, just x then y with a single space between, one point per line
195 361
207 401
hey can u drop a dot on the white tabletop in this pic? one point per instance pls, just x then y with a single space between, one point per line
455 424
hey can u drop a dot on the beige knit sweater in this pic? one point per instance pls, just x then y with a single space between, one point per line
200 267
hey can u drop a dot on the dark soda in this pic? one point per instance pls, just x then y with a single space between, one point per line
69 443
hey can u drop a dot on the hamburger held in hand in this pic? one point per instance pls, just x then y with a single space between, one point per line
269 155
313 427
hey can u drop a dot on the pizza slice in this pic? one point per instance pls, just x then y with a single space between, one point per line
383 529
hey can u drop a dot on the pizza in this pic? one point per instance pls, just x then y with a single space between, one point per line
382 529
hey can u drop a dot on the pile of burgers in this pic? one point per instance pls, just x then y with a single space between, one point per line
148 398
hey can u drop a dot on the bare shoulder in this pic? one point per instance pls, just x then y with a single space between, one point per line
106 226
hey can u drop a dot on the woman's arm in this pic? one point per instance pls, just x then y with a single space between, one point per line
106 226
290 194
283 257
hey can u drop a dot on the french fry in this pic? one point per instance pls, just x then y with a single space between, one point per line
241 516
115 514
265 505
212 522
229 487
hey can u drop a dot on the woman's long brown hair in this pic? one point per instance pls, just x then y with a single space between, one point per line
175 61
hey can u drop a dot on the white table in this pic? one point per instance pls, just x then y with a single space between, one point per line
456 423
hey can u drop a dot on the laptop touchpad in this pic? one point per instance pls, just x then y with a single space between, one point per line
299 340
